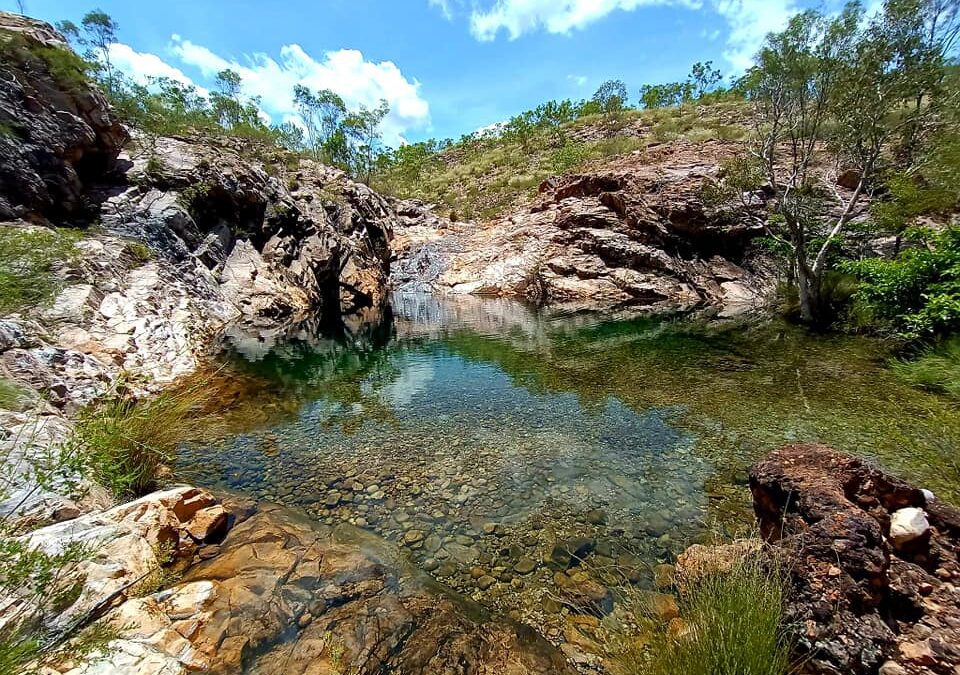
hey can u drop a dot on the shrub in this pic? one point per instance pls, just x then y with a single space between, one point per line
734 625
918 292
11 396
28 260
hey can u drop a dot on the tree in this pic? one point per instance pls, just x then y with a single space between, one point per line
100 32
823 69
227 105
704 77
363 129
323 115
611 96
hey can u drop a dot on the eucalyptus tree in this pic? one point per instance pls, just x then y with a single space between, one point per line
363 129
97 32
837 85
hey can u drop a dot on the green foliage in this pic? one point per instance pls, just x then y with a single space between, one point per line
126 444
735 622
568 157
66 68
11 395
918 292
937 369
29 259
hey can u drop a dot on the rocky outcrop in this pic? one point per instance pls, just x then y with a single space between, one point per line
286 596
57 134
873 562
639 233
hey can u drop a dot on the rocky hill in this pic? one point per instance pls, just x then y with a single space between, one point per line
635 232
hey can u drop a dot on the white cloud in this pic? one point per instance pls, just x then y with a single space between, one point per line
444 6
749 21
347 72
141 67
578 80
517 17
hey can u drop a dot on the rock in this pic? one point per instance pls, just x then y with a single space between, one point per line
700 561
328 587
596 517
907 525
849 179
485 582
663 606
131 541
583 594
571 552
207 524
892 668
525 566
828 512
636 232
60 129
663 576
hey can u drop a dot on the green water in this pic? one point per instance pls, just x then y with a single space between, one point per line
478 433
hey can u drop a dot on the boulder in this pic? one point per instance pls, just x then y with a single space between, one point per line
62 134
861 604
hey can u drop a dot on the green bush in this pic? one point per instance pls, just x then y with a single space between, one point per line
28 261
568 157
918 292
11 396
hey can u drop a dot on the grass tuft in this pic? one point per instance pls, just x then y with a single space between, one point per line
732 625
29 259
936 370
128 444
11 395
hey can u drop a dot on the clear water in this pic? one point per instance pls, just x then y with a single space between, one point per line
479 433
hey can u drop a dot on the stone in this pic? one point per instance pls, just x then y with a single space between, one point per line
571 552
525 566
485 582
581 593
892 668
207 524
908 525
663 576
661 605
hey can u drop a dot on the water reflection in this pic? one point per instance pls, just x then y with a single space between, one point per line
479 434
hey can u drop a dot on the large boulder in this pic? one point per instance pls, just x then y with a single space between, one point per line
286 596
864 594
57 133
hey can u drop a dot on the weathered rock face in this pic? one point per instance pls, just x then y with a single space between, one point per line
57 134
275 246
285 596
637 234
862 596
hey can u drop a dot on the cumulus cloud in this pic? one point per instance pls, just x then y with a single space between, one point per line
141 67
748 21
579 80
346 72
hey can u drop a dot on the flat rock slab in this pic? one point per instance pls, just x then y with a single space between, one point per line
286 596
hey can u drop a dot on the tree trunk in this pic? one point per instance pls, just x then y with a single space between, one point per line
807 292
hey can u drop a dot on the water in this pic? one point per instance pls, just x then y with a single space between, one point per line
479 434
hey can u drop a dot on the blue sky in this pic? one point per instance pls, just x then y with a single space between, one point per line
447 67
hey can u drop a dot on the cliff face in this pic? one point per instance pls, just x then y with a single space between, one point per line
637 232
245 226
57 134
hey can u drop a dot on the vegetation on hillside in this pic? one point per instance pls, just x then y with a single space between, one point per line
29 260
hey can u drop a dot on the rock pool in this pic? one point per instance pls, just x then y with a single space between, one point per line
498 444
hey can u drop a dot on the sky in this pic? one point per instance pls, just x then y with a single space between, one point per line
446 67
